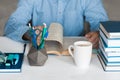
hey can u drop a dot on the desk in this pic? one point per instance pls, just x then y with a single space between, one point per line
61 68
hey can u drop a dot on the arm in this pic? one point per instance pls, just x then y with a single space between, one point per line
16 25
94 13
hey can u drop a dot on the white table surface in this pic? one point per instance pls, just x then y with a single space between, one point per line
61 68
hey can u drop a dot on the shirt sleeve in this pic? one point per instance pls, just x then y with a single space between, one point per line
16 25
94 13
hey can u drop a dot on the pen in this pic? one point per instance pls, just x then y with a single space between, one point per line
43 36
33 35
30 25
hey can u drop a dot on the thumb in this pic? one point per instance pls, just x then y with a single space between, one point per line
87 35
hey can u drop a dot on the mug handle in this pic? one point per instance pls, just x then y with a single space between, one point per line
70 50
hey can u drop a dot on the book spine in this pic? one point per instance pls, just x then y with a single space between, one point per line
109 59
108 68
110 42
104 30
109 51
108 28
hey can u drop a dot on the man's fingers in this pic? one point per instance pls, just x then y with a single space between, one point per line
96 43
88 35
94 38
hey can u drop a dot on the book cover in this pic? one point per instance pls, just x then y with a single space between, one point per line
110 42
110 51
108 68
109 59
111 28
12 68
12 62
108 63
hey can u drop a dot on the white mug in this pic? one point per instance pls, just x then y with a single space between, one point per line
81 52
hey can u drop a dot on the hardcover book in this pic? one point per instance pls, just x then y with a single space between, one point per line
110 51
108 68
110 42
111 28
106 61
107 58
11 62
109 63
8 66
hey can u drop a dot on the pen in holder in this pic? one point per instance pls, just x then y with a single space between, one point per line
37 55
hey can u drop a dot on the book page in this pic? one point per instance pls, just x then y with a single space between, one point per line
54 42
55 33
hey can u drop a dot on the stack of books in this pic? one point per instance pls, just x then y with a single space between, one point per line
109 45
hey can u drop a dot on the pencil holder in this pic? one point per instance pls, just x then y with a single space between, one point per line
37 57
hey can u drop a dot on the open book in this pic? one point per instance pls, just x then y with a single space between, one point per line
56 43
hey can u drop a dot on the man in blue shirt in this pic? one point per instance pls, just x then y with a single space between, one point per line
69 13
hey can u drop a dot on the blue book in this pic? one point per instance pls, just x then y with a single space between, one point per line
111 28
12 62
110 51
108 68
107 58
106 62
110 42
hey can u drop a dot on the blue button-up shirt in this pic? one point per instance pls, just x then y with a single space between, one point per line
69 13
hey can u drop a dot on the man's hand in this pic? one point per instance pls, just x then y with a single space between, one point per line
38 31
27 35
94 38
